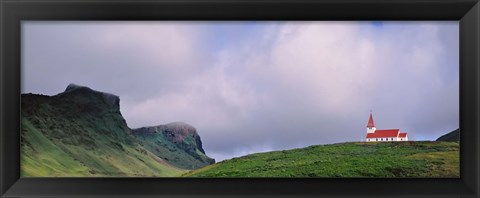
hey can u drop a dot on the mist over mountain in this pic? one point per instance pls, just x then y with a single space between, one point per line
81 132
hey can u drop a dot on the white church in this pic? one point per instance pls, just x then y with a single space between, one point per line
384 135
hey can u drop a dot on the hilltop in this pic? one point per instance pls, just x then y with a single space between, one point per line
81 132
450 137
354 159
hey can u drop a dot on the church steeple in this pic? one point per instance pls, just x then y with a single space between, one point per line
371 126
370 121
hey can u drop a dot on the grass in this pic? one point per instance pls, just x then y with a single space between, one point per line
355 159
46 158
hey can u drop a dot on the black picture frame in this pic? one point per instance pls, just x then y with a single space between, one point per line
12 12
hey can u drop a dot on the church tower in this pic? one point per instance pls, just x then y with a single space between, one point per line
371 126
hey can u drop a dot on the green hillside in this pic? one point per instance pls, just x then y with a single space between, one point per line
359 159
81 132
44 156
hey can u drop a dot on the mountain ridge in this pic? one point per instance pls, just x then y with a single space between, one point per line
86 129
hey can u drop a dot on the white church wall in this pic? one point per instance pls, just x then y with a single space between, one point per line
389 139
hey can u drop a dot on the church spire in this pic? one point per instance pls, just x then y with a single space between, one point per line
370 121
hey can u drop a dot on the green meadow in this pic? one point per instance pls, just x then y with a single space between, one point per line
356 159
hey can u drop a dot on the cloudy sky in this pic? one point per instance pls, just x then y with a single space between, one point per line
258 86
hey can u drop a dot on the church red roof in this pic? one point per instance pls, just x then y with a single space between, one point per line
370 122
384 133
402 135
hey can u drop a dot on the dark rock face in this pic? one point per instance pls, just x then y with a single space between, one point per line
450 137
182 136
109 99
178 133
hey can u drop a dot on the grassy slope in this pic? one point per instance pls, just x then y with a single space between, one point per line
67 136
388 159
52 158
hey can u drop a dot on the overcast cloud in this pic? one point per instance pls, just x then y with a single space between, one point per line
258 86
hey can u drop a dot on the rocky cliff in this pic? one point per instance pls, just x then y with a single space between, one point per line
178 143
